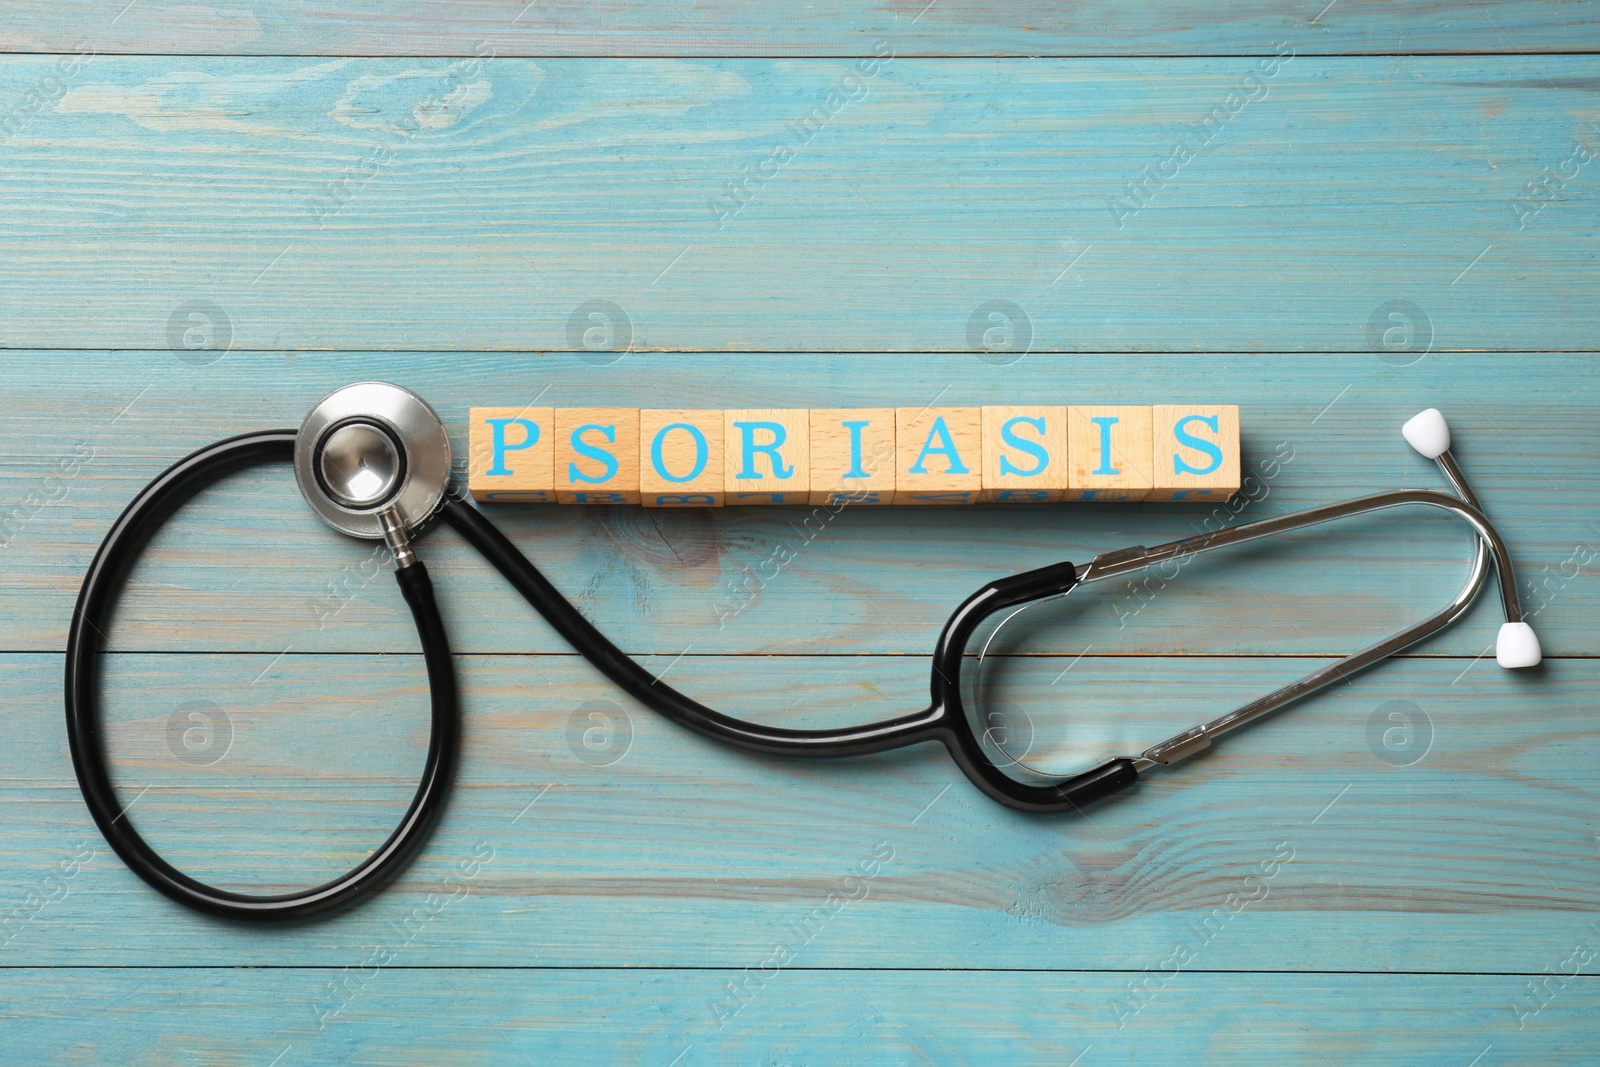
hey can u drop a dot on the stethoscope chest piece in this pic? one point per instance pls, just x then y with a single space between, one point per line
369 449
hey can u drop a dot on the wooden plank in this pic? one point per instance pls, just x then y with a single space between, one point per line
249 568
1458 837
1100 205
417 1018
769 27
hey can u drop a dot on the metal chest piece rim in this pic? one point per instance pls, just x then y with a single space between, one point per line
368 449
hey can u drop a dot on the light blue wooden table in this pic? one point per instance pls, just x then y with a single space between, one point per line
1332 215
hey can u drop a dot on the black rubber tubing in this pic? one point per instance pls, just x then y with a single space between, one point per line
945 720
86 639
655 694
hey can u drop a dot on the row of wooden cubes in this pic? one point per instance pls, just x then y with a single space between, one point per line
933 455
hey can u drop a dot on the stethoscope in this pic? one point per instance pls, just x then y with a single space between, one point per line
373 461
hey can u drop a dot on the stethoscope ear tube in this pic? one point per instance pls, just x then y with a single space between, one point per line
85 641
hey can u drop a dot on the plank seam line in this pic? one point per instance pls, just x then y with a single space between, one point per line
1070 352
568 654
1004 57
668 968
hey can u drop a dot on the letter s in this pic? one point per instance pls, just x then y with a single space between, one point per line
1199 444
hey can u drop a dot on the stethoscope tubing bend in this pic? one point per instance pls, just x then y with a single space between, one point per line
86 640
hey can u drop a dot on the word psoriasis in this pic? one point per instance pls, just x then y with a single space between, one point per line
712 458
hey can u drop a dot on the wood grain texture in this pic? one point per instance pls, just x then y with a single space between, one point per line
938 455
1109 451
771 27
866 580
511 453
1403 869
681 459
708 204
766 456
852 462
1466 844
453 1018
1034 471
1195 452
597 455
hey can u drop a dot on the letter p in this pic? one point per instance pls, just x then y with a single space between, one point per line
499 445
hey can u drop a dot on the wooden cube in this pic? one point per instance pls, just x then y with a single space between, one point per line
766 456
1024 455
597 455
680 458
1196 452
852 455
940 455
1109 450
510 455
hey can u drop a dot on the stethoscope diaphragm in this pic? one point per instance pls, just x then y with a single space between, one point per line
368 449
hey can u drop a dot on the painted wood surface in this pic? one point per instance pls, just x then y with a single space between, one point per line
248 568
422 1018
1404 869
1217 204
1458 837
775 28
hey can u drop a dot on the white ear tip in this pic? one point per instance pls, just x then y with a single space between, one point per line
1517 646
1428 433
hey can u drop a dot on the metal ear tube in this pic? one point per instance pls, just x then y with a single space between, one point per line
1517 645
373 461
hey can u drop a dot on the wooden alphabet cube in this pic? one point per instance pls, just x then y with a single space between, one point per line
1024 455
597 455
1196 452
766 457
852 455
680 458
1109 449
510 455
940 455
